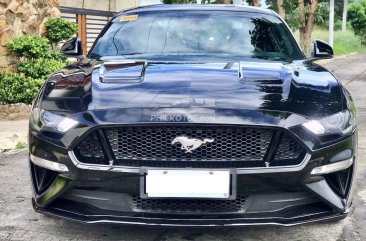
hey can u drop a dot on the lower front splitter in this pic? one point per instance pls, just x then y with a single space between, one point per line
86 214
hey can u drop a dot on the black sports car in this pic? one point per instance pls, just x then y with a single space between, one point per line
194 116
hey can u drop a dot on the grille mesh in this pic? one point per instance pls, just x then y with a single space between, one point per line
288 150
189 205
233 147
90 150
131 145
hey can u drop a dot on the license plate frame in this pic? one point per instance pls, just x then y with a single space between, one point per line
192 173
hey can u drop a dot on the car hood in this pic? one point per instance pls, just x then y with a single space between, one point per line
302 88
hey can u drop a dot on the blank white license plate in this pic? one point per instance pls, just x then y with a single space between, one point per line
187 183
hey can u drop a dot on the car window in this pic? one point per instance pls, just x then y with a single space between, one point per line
197 33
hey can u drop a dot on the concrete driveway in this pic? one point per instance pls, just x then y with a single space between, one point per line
19 222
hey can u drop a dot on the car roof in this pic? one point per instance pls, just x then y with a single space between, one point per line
198 7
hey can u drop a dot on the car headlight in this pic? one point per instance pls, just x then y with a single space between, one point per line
46 120
340 123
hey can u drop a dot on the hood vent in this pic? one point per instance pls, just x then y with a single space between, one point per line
122 72
253 71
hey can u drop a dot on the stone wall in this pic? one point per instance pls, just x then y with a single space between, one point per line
14 111
23 17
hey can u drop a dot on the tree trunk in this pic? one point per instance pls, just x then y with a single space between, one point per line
344 16
306 24
281 10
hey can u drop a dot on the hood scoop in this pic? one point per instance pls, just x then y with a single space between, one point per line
271 72
122 72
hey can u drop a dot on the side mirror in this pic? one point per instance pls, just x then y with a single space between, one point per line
321 50
72 48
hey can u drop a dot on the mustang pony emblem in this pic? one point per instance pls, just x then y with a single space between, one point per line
190 144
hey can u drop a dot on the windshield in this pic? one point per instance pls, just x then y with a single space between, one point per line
195 34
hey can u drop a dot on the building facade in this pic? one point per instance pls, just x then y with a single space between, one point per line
107 5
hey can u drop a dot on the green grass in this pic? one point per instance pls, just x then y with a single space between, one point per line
20 145
344 42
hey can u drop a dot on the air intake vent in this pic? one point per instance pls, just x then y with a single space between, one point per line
90 150
289 152
43 178
340 181
189 205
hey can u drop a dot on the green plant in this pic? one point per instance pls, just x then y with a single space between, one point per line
30 47
59 29
38 59
337 25
322 15
16 88
357 18
40 68
344 42
20 145
292 19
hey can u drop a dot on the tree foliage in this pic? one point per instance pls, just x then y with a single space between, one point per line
357 18
59 29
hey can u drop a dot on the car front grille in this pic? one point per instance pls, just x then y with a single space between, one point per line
189 205
223 147
155 143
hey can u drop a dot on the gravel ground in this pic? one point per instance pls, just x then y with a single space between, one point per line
19 222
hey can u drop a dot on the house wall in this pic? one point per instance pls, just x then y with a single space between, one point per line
106 5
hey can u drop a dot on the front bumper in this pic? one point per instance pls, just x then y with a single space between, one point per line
306 209
279 196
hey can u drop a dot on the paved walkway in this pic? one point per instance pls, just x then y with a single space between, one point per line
12 133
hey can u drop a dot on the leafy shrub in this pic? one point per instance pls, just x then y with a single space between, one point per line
38 59
40 68
357 17
16 88
30 47
59 29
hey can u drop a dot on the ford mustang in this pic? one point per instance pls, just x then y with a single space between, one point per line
194 115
